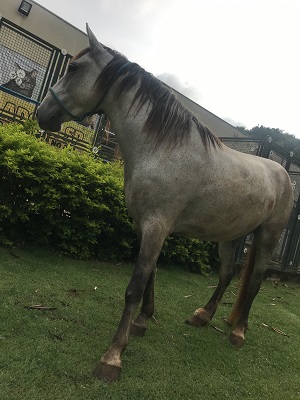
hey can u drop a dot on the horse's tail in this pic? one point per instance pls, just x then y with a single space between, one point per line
243 285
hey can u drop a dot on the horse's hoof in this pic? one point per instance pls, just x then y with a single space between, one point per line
200 318
106 372
137 330
236 340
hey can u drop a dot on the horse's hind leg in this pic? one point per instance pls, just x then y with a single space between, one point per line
139 325
265 241
226 252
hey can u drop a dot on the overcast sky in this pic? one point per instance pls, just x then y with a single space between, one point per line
240 59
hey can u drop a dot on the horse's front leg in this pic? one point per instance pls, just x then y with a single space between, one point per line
139 325
153 236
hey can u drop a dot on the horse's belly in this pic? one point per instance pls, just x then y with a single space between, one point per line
218 226
215 235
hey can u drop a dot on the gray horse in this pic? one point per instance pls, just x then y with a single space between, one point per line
179 178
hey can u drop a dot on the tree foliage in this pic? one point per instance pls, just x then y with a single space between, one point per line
282 139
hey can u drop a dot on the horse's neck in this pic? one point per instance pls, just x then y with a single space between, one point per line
135 143
128 125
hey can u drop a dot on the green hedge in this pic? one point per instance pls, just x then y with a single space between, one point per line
74 202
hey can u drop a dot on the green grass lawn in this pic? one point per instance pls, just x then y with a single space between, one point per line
51 354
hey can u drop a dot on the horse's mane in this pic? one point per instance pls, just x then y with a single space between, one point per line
168 120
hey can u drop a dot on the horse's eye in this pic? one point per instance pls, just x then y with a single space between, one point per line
72 68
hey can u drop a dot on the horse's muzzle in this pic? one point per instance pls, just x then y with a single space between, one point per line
48 122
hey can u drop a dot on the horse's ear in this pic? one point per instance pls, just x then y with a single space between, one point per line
95 46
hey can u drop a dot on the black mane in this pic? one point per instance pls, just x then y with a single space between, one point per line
168 120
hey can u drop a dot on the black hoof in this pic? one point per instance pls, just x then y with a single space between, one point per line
137 330
106 372
236 340
196 320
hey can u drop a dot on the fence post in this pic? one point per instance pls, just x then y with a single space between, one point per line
266 148
291 255
289 161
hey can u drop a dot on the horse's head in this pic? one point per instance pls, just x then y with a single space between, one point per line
75 95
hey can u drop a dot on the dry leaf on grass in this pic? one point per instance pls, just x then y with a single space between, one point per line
218 329
40 307
55 336
275 330
155 320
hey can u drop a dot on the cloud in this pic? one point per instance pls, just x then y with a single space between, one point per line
184 88
234 122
